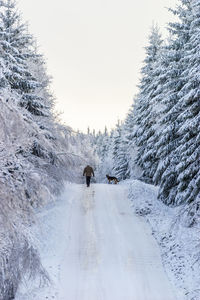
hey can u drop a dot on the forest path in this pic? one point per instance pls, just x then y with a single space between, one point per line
95 248
111 254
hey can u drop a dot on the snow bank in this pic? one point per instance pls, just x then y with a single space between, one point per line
50 232
179 245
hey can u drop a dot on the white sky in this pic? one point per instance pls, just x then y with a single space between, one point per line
94 51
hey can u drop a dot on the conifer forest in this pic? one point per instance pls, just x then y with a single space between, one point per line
156 146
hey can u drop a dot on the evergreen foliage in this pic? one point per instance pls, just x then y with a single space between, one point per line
17 50
188 167
166 112
159 142
145 111
169 138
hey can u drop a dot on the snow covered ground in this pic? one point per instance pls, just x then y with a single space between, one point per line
179 244
95 248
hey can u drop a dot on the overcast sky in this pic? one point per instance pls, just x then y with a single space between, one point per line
94 51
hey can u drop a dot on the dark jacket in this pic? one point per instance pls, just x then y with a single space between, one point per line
88 171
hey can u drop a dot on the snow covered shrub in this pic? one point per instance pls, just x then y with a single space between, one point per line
17 252
17 258
33 168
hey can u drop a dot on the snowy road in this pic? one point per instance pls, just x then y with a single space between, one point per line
95 248
111 253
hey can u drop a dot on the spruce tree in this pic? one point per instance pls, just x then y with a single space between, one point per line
188 168
16 49
168 138
119 152
128 140
144 114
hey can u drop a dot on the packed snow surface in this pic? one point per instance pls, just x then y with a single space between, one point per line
96 248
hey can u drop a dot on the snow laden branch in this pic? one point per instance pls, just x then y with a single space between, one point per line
70 153
31 172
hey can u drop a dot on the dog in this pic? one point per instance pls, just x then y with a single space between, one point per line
111 178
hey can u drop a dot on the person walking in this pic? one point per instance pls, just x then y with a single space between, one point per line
88 172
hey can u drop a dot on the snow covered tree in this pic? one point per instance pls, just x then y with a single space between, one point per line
102 144
120 166
145 115
105 144
188 150
133 170
16 49
19 190
168 138
165 130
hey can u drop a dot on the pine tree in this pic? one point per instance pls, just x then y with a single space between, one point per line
145 116
188 168
128 139
168 138
16 49
105 144
119 152
133 170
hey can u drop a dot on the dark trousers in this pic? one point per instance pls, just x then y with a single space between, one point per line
88 180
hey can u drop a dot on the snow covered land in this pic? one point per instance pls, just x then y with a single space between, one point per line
138 240
94 247
96 244
179 244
